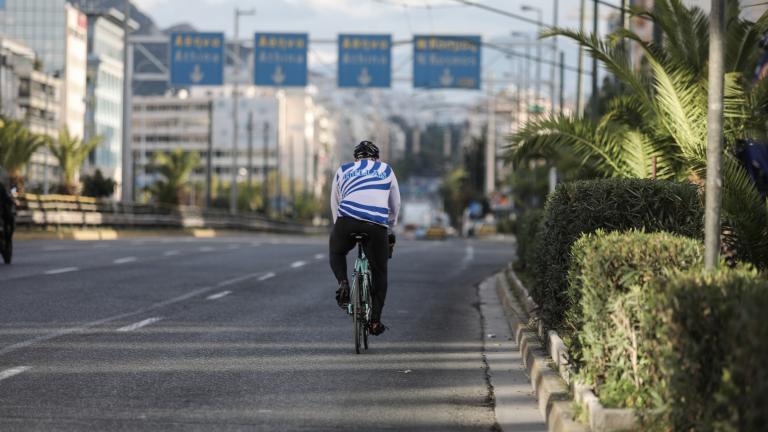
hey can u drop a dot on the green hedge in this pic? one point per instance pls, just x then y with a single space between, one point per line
609 336
715 332
525 233
611 204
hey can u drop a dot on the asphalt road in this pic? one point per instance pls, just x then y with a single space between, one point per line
238 333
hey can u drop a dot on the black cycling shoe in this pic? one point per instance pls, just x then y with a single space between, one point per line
342 295
376 328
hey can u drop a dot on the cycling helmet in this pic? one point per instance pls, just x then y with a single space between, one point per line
366 149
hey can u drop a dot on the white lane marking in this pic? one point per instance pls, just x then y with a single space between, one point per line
298 264
171 252
124 260
54 248
140 324
218 295
205 249
233 247
13 371
81 328
269 275
255 244
237 279
100 246
319 256
61 270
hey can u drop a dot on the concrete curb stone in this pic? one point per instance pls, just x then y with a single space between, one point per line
601 419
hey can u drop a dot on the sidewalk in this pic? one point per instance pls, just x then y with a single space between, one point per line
516 407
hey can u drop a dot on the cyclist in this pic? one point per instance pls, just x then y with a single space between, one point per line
365 199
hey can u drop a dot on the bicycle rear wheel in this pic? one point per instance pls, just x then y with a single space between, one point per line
367 314
357 316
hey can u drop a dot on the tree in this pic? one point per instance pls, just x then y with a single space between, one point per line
71 151
174 167
661 120
17 145
98 186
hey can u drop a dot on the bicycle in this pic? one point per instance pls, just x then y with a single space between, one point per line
360 305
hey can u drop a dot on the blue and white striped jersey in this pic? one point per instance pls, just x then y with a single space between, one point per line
366 190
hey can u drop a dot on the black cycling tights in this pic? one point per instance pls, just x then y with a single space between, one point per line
376 249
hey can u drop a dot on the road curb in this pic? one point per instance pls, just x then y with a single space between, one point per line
552 392
599 418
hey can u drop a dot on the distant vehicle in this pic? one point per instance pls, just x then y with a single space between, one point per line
423 220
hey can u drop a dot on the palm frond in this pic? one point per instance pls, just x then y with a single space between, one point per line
599 147
615 59
639 154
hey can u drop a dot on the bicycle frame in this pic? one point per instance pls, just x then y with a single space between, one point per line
361 268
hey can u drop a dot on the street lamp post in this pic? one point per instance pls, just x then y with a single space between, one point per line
539 13
235 102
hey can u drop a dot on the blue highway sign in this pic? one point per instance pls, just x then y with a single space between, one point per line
280 59
365 60
197 58
446 62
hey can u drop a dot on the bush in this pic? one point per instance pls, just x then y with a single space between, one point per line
613 205
609 336
98 186
525 233
715 332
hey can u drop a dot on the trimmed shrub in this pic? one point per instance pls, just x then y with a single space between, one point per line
609 336
613 205
526 228
715 333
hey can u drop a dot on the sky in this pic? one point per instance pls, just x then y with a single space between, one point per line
324 19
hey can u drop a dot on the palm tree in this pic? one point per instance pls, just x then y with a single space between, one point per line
71 152
662 118
17 144
175 167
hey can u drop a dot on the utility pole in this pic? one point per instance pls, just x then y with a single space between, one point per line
579 77
595 88
281 133
537 88
235 103
126 147
265 169
249 127
291 178
555 14
209 159
713 193
562 81
490 142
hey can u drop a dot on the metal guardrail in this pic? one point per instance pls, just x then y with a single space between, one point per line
85 212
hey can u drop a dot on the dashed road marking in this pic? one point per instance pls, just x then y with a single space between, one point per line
237 279
171 253
218 295
13 372
140 324
124 260
319 256
298 264
205 249
233 247
269 275
61 270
